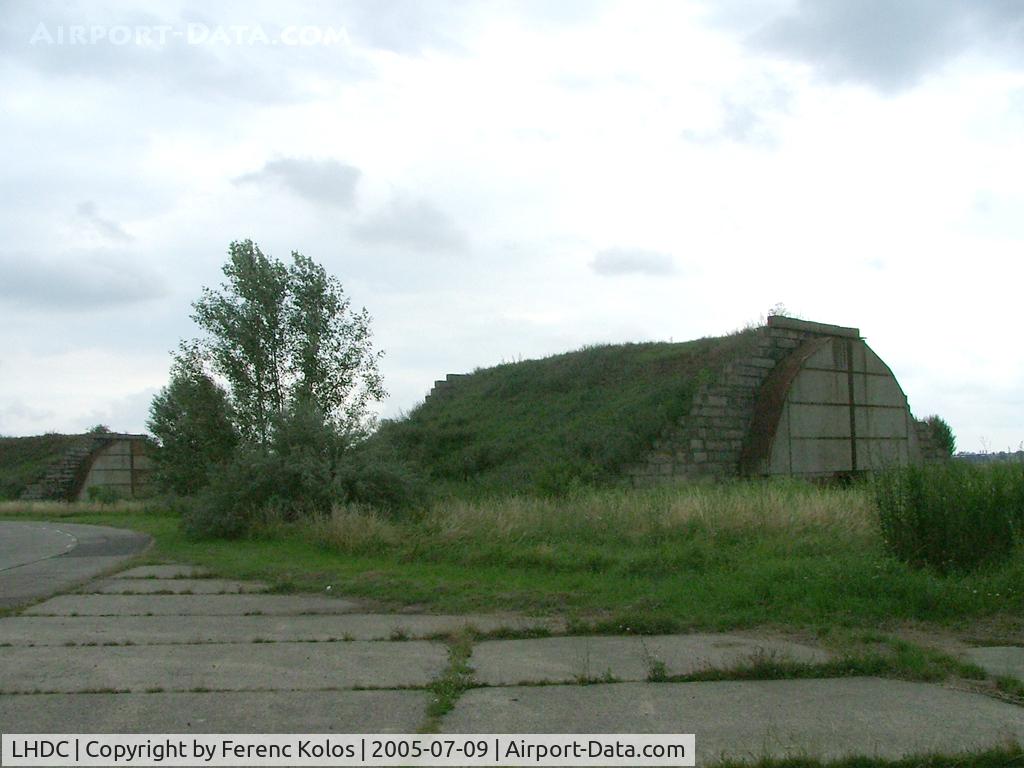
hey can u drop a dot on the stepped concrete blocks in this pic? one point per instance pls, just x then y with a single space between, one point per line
734 427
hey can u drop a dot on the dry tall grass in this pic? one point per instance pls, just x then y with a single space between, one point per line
66 509
355 529
608 516
639 514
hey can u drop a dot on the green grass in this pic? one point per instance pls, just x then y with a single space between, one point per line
24 460
453 682
1007 757
546 424
856 657
615 560
740 555
1011 686
952 516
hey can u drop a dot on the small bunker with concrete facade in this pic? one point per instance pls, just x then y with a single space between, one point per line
789 398
68 467
831 406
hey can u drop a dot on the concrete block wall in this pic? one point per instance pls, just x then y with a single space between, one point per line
122 464
444 386
117 460
707 442
60 481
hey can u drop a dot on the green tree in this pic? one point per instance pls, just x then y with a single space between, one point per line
191 419
245 338
282 336
332 363
299 372
942 434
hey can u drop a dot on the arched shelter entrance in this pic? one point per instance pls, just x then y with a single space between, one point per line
831 407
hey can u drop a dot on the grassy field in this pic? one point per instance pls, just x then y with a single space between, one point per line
544 425
786 557
707 556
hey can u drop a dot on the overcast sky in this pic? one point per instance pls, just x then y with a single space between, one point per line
504 180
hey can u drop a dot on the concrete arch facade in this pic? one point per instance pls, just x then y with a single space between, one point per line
831 407
119 462
805 399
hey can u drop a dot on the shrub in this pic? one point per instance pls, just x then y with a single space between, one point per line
942 434
563 479
191 419
234 496
306 472
951 517
255 486
380 480
102 494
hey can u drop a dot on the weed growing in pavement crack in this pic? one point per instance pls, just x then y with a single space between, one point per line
453 682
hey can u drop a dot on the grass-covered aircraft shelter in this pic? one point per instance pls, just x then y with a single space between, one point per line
792 397
65 467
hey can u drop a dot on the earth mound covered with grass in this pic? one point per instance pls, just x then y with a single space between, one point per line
25 460
550 424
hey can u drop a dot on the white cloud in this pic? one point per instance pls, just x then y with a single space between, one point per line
632 261
464 171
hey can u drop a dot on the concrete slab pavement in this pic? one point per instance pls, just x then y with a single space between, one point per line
119 586
236 667
999 661
170 571
216 712
290 663
190 605
826 719
38 559
24 543
143 630
632 657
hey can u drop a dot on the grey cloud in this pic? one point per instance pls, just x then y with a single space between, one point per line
327 182
106 227
414 223
632 261
891 45
78 281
